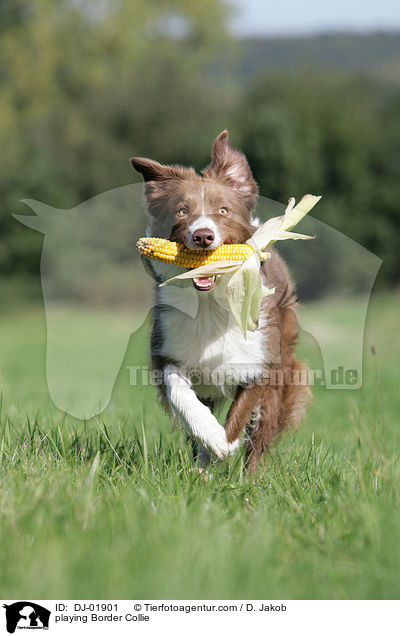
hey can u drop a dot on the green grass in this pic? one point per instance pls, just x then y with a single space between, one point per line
109 508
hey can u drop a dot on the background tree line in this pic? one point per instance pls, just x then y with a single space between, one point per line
84 85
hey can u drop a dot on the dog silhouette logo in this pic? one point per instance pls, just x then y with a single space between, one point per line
26 615
86 247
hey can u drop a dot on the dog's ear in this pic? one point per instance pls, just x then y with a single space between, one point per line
149 169
230 166
153 171
159 180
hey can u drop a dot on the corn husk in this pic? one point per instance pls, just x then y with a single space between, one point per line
244 288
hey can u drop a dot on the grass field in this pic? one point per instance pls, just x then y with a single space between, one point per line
110 509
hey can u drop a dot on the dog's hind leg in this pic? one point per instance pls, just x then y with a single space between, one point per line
264 424
297 396
241 410
282 404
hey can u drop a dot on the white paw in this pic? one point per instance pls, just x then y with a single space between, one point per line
221 447
233 447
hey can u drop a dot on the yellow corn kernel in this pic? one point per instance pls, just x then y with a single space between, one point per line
176 253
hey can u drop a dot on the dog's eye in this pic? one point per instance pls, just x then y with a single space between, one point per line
182 212
223 211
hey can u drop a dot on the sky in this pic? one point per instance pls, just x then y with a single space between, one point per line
303 17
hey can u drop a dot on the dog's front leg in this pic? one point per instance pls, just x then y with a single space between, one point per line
201 455
196 416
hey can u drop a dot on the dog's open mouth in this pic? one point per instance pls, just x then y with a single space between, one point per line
204 283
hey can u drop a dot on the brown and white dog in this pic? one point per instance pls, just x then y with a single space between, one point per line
202 354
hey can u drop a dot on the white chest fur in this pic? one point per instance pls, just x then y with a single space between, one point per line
211 343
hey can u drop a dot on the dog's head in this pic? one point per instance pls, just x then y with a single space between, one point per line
201 211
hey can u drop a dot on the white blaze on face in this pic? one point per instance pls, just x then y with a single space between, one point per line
204 283
204 221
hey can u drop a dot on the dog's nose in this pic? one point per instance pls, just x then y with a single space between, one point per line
203 237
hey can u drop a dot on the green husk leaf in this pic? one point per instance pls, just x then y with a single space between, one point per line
293 215
283 236
276 229
244 289
244 292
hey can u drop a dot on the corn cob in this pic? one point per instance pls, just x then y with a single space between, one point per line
176 253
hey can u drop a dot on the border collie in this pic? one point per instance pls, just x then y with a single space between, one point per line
196 345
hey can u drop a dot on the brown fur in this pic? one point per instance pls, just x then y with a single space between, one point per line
284 395
264 408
